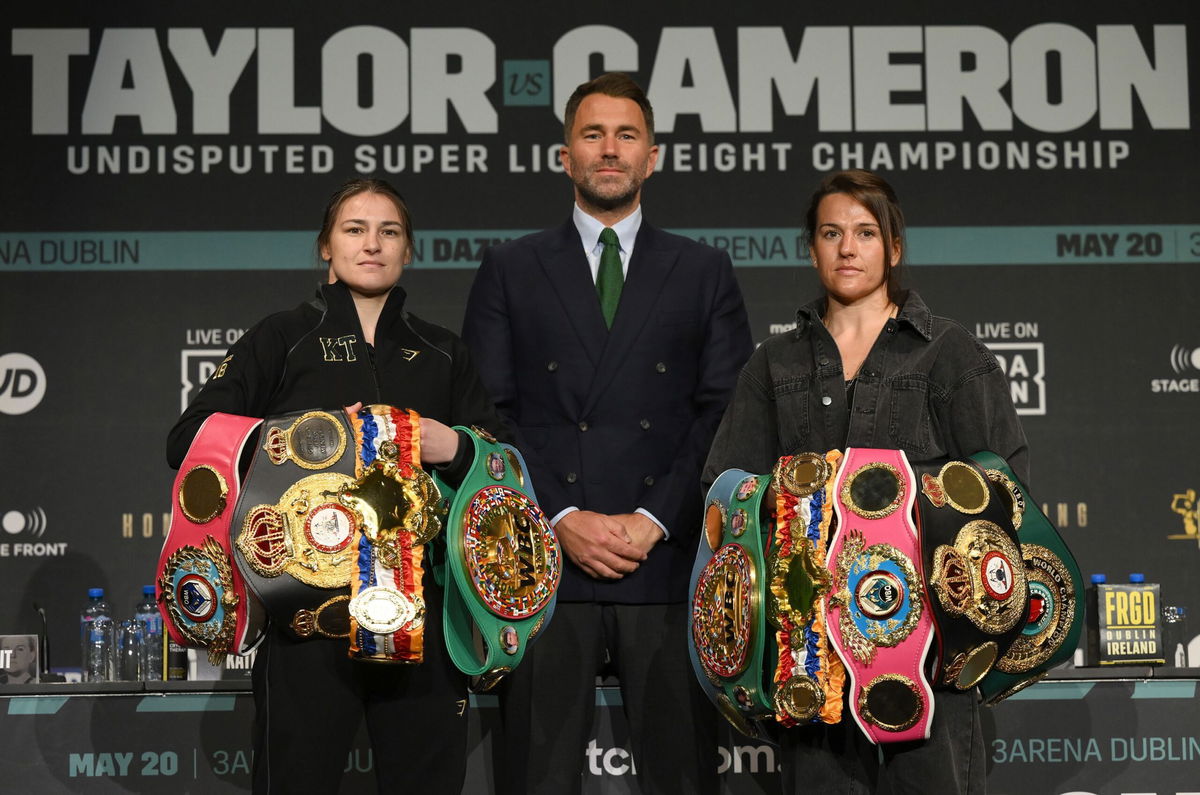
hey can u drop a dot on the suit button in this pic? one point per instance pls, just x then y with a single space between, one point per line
660 368
572 477
552 366
826 400
583 426
648 480
645 425
822 361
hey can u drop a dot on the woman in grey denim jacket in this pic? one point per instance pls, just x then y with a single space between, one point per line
869 365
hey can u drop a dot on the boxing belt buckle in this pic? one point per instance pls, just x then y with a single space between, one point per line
972 562
399 509
1050 631
505 563
809 677
876 614
201 594
729 641
294 532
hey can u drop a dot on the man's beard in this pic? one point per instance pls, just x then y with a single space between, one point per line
611 201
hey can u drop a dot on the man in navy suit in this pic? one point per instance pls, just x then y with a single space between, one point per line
613 356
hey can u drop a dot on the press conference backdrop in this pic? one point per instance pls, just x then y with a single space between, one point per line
164 170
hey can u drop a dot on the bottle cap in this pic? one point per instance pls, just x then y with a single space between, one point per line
1099 579
1137 577
94 593
147 590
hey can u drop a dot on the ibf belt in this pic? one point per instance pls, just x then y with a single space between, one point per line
201 595
293 528
729 641
809 677
876 613
1049 631
400 508
505 563
972 562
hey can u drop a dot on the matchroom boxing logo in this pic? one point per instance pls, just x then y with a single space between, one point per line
22 383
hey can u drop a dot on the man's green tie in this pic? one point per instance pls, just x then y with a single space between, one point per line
609 279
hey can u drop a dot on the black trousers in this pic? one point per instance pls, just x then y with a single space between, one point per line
839 759
310 699
549 702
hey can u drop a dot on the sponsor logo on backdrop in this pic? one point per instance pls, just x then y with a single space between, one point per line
1022 356
1050 96
618 761
1188 508
1185 366
22 383
198 364
145 524
24 529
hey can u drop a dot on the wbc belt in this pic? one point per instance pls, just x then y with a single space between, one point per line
201 595
1050 630
876 612
972 562
728 639
504 561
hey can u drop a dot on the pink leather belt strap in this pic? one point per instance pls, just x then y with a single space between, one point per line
876 613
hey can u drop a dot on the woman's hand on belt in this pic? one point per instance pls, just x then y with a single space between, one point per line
439 442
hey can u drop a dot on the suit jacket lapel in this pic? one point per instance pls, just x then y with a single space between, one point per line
567 271
648 271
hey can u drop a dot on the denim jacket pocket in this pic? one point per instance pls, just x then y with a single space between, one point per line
791 405
908 410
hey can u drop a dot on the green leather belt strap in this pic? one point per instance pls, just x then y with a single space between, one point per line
503 563
1056 595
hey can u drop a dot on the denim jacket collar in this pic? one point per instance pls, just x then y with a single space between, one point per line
913 312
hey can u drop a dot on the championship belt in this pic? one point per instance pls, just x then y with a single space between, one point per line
292 532
729 640
331 528
972 561
400 507
201 595
1050 630
809 677
504 560
876 613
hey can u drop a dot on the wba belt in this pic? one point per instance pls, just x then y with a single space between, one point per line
978 596
1049 631
331 527
201 595
504 562
876 613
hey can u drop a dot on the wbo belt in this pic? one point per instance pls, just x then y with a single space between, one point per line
331 527
876 613
201 595
1049 631
977 591
504 561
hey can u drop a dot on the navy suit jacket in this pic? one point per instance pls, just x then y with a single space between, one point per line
620 419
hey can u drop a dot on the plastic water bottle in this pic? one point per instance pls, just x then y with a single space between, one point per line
129 650
152 635
96 638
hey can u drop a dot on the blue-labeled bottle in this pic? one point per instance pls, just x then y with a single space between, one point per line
96 639
147 613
